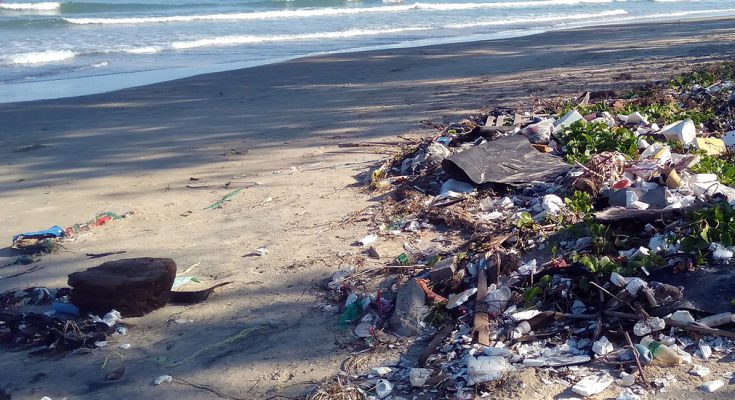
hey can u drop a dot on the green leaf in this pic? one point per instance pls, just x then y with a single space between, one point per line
703 233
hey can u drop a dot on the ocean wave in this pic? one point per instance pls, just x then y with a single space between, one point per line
325 12
665 16
38 57
236 40
524 20
45 6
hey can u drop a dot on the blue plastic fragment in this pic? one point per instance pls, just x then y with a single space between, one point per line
52 232
65 308
444 140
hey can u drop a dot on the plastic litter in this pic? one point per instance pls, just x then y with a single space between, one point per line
368 240
110 319
602 346
592 385
383 388
456 300
717 320
163 379
682 131
699 370
662 354
498 300
712 386
486 368
419 376
627 394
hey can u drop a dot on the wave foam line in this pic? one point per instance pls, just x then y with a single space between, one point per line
238 40
38 57
45 6
512 21
251 39
326 12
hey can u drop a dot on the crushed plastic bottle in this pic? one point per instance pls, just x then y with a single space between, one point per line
662 355
498 300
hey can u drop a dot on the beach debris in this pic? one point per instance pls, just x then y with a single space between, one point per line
134 286
602 346
184 280
163 379
368 240
224 199
458 299
699 370
419 376
509 160
38 242
443 269
712 386
591 238
682 131
410 309
486 368
383 389
592 385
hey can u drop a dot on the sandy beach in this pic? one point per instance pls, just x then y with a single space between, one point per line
167 151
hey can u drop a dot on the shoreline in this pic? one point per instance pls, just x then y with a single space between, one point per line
55 89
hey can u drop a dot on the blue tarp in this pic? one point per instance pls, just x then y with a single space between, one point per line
52 232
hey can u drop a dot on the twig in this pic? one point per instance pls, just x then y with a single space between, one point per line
681 325
614 296
635 354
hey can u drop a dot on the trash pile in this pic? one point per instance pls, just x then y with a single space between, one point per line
48 240
54 322
587 239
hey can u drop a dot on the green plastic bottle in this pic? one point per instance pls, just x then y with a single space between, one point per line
662 354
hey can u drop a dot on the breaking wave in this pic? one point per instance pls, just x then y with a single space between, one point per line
45 6
39 57
325 12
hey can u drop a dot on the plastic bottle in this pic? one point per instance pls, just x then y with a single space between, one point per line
498 300
662 354
717 320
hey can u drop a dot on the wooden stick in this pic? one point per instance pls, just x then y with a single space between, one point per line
481 325
681 325
635 355
434 343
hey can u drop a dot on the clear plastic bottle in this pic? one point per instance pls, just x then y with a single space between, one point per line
662 354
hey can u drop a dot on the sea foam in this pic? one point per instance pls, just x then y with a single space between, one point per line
327 12
46 6
38 57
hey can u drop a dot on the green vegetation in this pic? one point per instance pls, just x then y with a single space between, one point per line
723 167
525 220
595 264
583 140
580 202
704 76
709 225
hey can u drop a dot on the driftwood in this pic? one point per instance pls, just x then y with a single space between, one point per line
434 343
619 214
692 327
481 326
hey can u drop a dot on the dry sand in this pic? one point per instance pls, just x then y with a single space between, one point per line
276 125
